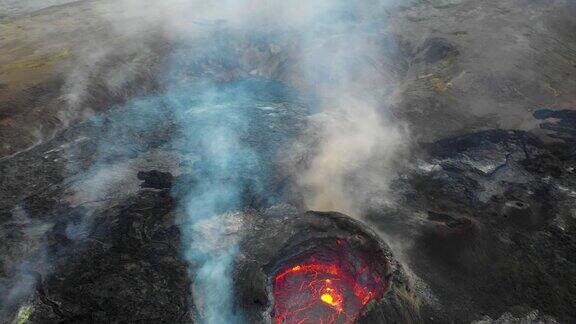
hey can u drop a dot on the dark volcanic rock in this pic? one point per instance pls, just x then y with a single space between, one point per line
127 269
497 235
500 229
483 222
437 49
155 179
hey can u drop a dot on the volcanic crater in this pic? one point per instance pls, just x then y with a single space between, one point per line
317 267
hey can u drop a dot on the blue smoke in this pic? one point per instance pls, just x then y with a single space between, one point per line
228 133
232 132
229 128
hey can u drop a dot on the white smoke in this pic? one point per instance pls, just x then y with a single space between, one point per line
332 50
25 261
354 158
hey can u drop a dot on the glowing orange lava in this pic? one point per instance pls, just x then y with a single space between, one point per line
324 292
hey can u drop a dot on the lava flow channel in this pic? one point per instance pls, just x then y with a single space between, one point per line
324 292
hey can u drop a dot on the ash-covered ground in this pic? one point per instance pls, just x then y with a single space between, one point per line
116 127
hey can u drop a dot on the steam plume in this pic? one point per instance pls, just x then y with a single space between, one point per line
330 50
229 123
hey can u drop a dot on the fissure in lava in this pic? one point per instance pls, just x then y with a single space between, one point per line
326 288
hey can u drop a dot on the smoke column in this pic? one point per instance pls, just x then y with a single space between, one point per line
232 87
338 59
355 144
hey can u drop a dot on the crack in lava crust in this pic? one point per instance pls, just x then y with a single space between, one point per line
329 286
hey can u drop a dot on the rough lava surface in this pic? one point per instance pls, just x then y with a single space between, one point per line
480 220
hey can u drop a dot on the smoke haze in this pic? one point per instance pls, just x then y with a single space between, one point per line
328 50
232 86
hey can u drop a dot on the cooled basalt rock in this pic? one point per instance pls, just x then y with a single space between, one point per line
318 266
489 219
533 317
519 213
155 179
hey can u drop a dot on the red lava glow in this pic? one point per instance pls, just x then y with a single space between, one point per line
326 292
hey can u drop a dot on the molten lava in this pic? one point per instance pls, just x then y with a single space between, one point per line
325 290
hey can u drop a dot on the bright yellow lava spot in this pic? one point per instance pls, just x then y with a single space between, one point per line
328 299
